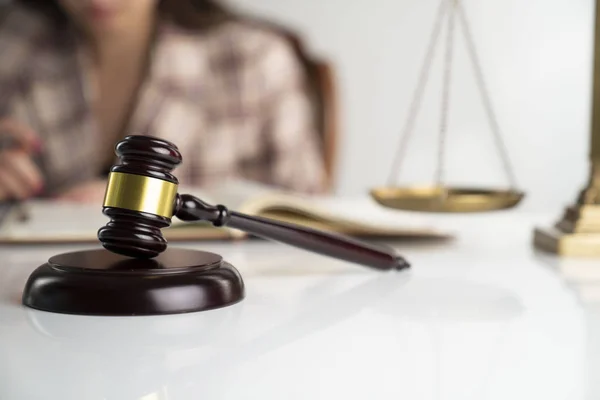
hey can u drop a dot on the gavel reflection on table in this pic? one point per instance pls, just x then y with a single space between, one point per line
135 274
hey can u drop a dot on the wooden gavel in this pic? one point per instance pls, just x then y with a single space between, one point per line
141 198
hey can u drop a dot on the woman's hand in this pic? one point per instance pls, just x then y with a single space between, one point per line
20 178
88 192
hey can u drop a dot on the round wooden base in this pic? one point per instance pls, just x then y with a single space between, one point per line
98 282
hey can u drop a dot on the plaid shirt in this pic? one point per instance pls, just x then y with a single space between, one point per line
233 101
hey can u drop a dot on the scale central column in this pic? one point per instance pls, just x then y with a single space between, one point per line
578 232
591 195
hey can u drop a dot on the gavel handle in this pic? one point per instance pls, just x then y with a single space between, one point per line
345 248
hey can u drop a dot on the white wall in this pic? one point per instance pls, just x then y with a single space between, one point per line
536 55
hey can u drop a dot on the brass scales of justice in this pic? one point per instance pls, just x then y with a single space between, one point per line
441 197
576 234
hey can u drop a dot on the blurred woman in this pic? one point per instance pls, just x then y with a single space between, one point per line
78 75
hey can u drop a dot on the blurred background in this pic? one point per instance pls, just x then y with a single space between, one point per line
536 57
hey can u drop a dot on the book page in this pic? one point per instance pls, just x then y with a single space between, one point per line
354 216
53 221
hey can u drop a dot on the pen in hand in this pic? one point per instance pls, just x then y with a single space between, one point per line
20 177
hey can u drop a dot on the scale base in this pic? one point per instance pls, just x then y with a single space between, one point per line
567 244
577 234
98 282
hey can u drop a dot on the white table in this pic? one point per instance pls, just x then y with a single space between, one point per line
484 317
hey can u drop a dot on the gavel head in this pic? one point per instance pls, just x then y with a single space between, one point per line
141 197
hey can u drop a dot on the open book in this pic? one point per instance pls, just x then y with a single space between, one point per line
56 222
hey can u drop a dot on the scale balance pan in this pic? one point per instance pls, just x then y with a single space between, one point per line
446 199
439 196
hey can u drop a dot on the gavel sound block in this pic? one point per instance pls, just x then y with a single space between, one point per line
135 274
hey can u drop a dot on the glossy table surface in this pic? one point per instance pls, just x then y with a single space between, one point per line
482 317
